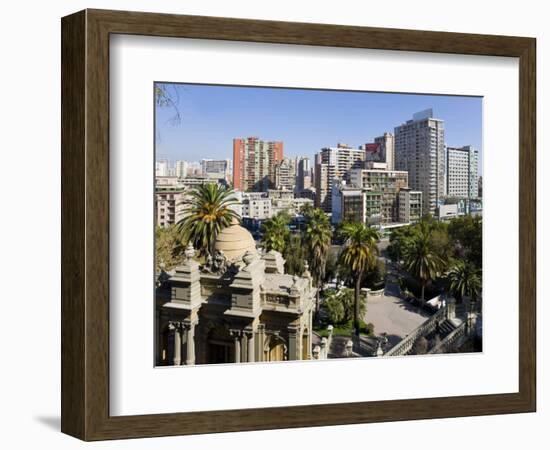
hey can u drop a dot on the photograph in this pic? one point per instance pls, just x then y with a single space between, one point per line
311 224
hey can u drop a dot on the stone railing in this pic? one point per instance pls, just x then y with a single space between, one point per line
321 351
451 340
405 346
280 300
378 292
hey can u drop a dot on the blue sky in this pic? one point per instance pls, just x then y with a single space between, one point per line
305 120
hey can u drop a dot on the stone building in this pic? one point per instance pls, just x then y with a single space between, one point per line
239 306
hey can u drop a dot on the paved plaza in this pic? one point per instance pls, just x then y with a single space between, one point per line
393 315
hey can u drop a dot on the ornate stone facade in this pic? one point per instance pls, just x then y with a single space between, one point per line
238 309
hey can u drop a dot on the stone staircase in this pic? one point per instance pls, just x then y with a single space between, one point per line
445 328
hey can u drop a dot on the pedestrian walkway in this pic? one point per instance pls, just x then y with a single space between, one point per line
394 316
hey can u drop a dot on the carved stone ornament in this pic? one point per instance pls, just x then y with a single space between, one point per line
189 251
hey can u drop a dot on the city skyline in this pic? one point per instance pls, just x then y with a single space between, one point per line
211 116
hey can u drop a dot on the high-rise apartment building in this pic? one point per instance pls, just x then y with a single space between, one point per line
303 174
181 169
420 151
334 163
381 150
254 163
387 183
462 176
285 174
162 168
387 149
375 196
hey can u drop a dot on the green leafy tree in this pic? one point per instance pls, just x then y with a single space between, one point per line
334 307
340 305
209 211
168 248
422 260
318 237
295 255
399 240
466 233
465 281
360 255
275 233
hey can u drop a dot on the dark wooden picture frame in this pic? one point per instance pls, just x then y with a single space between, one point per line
85 224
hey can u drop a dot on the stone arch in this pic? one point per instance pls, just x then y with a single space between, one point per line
275 348
219 344
166 345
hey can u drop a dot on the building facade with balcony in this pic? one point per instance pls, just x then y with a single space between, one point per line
420 151
254 163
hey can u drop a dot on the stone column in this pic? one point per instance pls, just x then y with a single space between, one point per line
260 343
243 347
250 346
175 327
292 344
237 345
190 331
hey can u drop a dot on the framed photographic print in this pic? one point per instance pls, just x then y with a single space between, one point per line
273 225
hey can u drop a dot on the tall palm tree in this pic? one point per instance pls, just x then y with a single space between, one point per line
359 255
421 259
318 237
208 212
465 281
275 232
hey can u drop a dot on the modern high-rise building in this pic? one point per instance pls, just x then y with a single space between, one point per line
216 168
254 163
181 169
387 149
303 174
162 168
387 183
285 174
480 187
462 176
381 150
334 163
420 151
375 196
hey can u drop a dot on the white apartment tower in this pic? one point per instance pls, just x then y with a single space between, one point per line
420 150
181 169
462 176
162 168
330 164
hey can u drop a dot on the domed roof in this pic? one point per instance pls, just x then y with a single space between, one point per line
234 241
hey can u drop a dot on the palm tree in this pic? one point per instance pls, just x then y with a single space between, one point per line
465 281
421 259
208 212
275 232
318 237
359 255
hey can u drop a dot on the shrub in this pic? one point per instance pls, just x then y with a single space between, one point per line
339 305
369 329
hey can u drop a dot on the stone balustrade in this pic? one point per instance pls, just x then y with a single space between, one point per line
405 346
451 340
